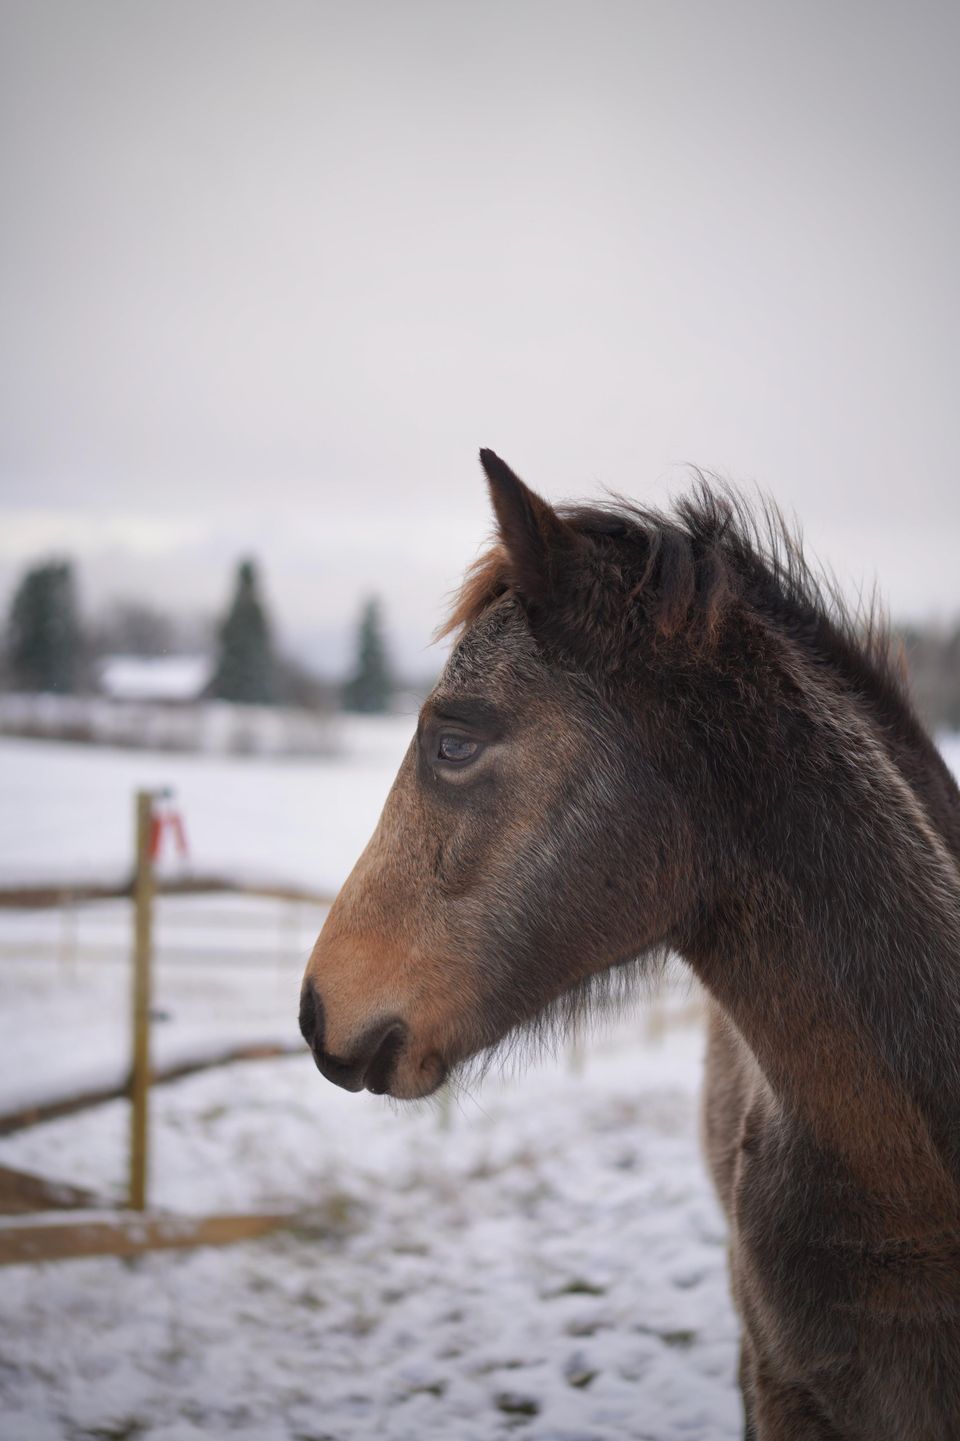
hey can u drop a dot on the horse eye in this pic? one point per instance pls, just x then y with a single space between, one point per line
456 749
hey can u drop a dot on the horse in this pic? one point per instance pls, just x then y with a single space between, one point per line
663 733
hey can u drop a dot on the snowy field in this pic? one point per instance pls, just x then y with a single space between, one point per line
545 1260
68 809
228 970
551 1263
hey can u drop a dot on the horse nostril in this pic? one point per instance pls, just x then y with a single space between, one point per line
379 1069
311 1016
372 1061
347 1074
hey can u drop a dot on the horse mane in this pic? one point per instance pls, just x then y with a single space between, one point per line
686 567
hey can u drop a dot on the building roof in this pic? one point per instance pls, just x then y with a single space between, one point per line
159 678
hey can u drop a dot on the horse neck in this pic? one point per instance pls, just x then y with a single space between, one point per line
836 954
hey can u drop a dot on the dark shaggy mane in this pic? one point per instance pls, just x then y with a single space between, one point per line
685 568
691 563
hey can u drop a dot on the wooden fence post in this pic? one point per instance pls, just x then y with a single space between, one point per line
142 956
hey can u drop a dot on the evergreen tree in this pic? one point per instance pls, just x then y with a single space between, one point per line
246 669
368 689
43 634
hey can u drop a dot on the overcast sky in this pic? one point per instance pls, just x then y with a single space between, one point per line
271 274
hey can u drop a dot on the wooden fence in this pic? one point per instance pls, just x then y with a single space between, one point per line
33 1224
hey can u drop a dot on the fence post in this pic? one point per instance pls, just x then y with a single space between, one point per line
142 954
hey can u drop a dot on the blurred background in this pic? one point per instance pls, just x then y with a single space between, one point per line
270 274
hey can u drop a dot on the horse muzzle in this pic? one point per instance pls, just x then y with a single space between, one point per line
380 1061
372 1059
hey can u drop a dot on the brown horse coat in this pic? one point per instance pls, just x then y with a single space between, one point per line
661 733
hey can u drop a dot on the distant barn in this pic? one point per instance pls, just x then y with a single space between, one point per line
170 679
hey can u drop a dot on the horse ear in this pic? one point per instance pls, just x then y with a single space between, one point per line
538 542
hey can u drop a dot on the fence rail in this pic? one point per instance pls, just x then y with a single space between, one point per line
47 896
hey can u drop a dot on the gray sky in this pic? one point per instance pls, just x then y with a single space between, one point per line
271 273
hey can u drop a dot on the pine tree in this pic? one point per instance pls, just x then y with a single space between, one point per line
368 689
246 669
43 634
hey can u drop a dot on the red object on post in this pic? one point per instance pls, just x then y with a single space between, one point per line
175 821
172 821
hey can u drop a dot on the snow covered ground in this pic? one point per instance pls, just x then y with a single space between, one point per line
228 970
551 1264
68 809
547 1261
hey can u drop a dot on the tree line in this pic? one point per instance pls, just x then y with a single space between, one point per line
48 648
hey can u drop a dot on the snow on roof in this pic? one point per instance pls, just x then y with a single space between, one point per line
163 678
